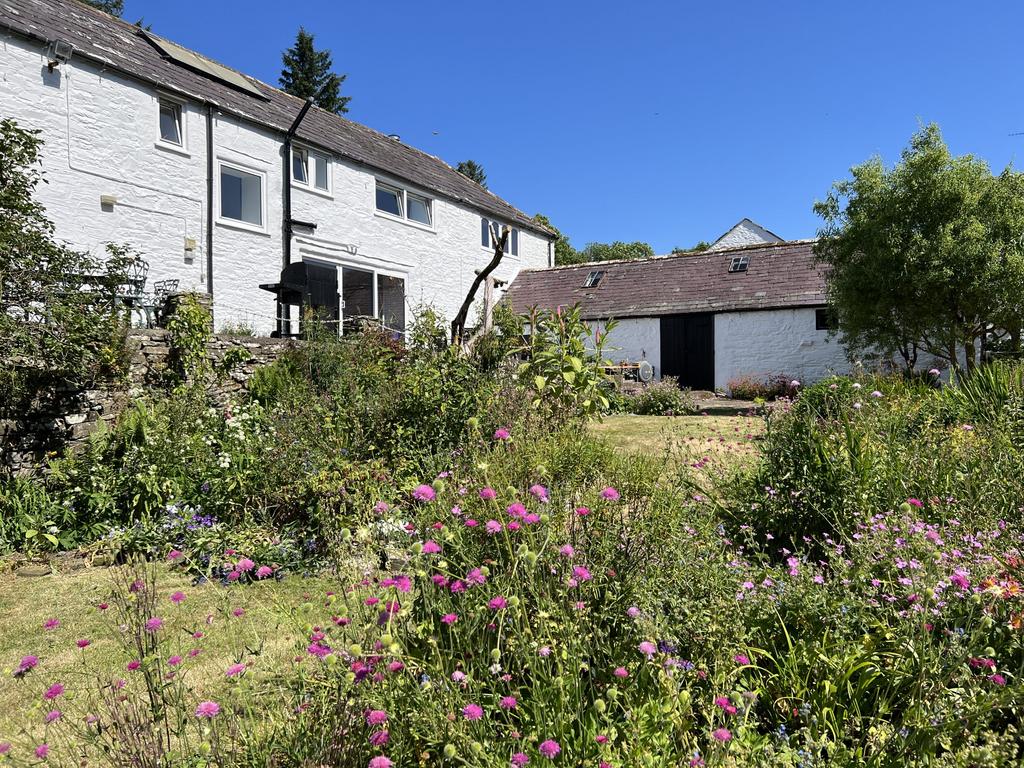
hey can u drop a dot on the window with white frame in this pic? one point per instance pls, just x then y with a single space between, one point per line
487 234
593 279
171 131
241 195
311 169
396 201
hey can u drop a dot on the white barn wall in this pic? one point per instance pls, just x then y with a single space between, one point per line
111 149
774 342
634 339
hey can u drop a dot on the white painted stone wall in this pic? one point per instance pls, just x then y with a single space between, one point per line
101 139
634 339
774 342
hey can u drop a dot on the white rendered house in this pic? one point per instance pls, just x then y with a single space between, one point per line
153 146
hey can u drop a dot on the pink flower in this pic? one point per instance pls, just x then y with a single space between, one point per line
610 494
493 527
741 659
52 715
133 665
530 518
721 734
582 511
379 738
471 523
208 709
501 434
376 717
431 547
234 670
42 751
103 606
566 550
379 762
245 565
508 702
458 586
632 611
476 576
424 493
539 492
488 494
520 759
5 747
621 672
647 648
516 509
27 664
997 679
154 624
234 575
549 749
264 571
174 661
513 525
915 502
581 573
381 507
544 651
472 712
601 739
497 603
450 618
55 690
51 624
173 555
178 598
723 703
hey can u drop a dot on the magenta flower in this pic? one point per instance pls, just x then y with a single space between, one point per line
424 493
566 550
493 527
632 611
52 715
178 598
721 734
520 759
741 659
55 690
621 672
431 547
51 624
27 664
245 565
472 712
5 747
83 643
508 702
488 494
581 573
264 571
208 709
723 703
42 751
376 717
997 679
915 502
379 762
471 523
173 555
530 518
234 670
497 603
582 511
379 738
501 434
154 624
476 576
515 509
133 665
381 507
610 494
647 648
450 618
539 492
549 749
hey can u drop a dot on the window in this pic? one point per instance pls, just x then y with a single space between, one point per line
399 202
170 122
487 239
593 279
241 195
825 320
739 264
419 209
389 200
391 302
310 166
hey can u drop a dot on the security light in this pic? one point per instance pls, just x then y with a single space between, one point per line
58 52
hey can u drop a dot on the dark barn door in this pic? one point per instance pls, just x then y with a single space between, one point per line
688 350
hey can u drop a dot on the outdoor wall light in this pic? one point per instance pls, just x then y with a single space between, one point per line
59 52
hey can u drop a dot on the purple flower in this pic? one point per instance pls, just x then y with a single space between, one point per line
431 547
42 751
264 571
424 493
501 434
610 494
379 762
52 715
55 690
549 749
488 494
234 670
508 702
208 709
721 734
154 624
379 738
647 648
520 759
497 603
539 492
741 659
27 664
472 712
245 565
376 717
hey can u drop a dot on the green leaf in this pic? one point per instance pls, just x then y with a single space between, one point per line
540 382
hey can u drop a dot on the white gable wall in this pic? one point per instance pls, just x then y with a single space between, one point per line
100 130
743 234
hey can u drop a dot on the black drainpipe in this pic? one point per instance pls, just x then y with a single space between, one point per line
282 310
209 202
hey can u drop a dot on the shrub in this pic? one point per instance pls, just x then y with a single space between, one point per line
750 387
660 398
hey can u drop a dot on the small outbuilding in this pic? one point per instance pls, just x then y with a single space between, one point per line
707 318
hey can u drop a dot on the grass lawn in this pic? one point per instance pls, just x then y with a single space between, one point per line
717 439
27 602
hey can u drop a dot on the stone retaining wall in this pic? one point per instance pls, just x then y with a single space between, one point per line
65 418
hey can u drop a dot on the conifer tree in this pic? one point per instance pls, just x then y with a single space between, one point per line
307 74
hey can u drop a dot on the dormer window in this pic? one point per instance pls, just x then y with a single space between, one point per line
739 264
593 279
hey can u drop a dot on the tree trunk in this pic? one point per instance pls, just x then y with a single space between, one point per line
459 323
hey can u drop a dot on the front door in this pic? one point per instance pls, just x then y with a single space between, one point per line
688 350
356 297
322 282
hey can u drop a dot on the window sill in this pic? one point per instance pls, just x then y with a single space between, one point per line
242 226
407 222
312 190
506 255
173 148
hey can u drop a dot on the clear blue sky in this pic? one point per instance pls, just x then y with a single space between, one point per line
658 121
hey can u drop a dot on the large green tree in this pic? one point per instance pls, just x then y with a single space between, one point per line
564 252
307 74
473 171
113 7
617 251
925 256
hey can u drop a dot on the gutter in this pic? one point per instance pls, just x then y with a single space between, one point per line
209 200
287 223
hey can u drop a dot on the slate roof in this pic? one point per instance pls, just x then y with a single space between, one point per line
121 46
778 275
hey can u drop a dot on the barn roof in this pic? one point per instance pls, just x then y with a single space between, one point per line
777 275
126 48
